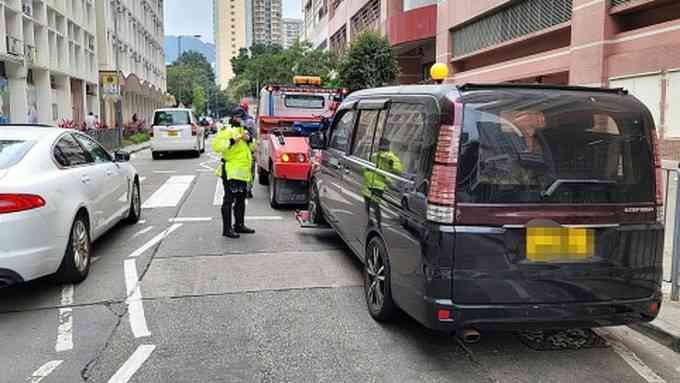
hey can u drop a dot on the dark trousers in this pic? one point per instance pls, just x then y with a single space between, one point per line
234 195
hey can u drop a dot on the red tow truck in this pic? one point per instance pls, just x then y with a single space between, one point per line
286 115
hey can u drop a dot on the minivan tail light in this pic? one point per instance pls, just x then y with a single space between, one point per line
658 176
13 203
441 196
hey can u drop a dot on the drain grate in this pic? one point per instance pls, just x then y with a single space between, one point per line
552 340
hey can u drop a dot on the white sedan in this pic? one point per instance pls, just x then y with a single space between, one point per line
59 191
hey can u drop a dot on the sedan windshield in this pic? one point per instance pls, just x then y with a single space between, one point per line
12 151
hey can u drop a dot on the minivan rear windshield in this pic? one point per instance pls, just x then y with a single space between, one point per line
167 118
12 151
538 146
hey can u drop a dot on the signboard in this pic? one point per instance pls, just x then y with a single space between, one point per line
110 83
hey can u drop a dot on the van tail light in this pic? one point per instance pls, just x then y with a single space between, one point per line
658 176
13 203
194 129
441 197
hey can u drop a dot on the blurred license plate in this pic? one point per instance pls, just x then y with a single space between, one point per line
172 133
558 244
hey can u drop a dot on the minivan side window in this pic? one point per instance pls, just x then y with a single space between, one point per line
364 132
342 131
402 140
68 152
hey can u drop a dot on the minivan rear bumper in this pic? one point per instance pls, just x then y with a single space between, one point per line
542 316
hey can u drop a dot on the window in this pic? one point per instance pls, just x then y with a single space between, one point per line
363 135
68 152
171 117
403 139
306 101
12 151
342 130
94 149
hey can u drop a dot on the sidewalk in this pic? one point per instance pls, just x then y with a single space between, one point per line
665 329
134 148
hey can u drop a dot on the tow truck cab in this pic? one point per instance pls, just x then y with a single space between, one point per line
287 115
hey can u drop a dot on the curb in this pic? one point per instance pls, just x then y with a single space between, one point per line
658 333
138 149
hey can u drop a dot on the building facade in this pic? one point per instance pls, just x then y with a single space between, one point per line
292 31
315 23
267 22
48 62
230 26
130 42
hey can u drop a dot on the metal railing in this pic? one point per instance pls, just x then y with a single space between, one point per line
110 138
671 218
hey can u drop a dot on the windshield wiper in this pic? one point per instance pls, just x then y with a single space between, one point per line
552 188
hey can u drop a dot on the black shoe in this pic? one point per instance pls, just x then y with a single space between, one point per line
250 194
230 234
243 229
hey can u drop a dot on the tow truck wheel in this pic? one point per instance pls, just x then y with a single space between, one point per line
273 183
262 176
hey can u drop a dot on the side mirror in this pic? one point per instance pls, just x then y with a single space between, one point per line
317 141
121 156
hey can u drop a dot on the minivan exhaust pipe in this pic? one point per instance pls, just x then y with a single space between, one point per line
469 335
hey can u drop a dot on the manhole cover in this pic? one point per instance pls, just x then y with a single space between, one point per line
549 340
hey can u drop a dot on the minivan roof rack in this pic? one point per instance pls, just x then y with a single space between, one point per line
469 86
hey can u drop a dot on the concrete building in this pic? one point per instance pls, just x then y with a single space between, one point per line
267 22
634 44
292 31
130 42
48 62
315 22
229 23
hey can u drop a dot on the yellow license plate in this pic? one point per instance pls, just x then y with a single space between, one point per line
558 244
172 133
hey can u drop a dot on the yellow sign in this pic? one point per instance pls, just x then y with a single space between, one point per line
549 244
110 82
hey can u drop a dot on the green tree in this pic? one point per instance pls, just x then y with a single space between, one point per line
198 100
368 63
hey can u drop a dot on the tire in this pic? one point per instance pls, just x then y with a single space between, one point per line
262 176
75 266
135 204
315 211
155 155
273 183
196 153
377 282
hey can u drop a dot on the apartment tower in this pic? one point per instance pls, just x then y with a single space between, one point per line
229 23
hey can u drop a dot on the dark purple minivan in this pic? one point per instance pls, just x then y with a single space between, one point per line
497 206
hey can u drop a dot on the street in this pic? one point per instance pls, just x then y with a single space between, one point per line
170 300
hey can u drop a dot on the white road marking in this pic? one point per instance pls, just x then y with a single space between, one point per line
190 219
143 231
65 328
634 361
165 171
44 370
134 300
155 240
141 222
264 218
219 193
170 193
130 367
205 165
204 170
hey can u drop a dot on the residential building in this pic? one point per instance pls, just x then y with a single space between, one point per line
48 64
316 22
632 44
130 41
267 23
292 31
409 25
229 23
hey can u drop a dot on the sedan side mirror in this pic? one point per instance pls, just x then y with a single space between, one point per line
122 156
317 141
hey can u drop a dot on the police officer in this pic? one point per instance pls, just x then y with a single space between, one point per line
233 144
248 123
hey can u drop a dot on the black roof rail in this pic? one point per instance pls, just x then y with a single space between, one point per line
30 125
469 86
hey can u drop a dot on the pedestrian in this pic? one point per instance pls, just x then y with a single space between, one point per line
90 122
233 144
249 123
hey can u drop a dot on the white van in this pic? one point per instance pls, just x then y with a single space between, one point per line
176 130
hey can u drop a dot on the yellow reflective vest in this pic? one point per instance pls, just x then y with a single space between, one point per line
238 157
375 182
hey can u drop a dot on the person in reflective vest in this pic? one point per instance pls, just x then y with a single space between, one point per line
375 183
233 144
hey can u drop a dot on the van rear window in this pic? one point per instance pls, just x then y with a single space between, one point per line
167 118
527 146
304 101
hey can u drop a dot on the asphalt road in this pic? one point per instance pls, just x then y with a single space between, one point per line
170 300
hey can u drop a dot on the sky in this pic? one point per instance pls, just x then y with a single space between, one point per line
194 17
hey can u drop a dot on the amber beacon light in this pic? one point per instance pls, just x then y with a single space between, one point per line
439 72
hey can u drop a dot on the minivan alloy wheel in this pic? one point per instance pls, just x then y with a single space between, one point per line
375 275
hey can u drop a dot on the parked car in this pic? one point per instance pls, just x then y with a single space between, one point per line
176 130
497 206
59 191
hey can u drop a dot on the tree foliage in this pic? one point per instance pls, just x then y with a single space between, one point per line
368 63
198 100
